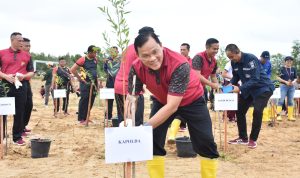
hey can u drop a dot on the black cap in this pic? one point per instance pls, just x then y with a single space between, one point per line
288 58
265 55
91 49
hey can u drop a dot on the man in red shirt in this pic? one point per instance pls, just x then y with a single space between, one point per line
29 104
16 65
205 65
185 50
177 91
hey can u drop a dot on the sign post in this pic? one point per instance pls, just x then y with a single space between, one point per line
226 101
7 107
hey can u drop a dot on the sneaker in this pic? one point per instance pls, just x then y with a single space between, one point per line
182 129
24 134
252 144
238 141
20 142
82 122
27 130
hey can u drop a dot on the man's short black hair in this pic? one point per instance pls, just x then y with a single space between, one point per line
61 58
91 49
211 41
187 45
232 48
26 39
15 34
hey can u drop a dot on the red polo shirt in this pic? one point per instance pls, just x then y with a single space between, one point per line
171 61
190 61
12 62
207 66
123 73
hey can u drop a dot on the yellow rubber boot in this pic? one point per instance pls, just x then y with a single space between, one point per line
173 131
279 109
209 168
290 113
156 167
266 115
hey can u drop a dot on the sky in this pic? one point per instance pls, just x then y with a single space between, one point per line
58 27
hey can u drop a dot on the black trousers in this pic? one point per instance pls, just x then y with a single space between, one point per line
20 102
110 102
29 105
183 122
200 128
139 113
84 101
259 103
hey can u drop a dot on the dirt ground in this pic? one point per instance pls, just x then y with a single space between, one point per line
78 151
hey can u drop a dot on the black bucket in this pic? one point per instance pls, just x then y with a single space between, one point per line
184 147
40 148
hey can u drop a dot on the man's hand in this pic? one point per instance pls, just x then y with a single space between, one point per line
20 77
100 84
236 89
214 85
10 78
289 83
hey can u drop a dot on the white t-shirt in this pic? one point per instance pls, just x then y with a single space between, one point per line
228 68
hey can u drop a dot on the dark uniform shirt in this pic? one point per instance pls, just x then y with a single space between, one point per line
288 73
48 77
254 79
88 68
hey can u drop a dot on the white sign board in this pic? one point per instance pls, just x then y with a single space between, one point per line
276 94
226 101
297 94
128 144
107 93
60 93
7 106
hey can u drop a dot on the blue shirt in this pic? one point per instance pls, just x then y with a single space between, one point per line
268 68
254 79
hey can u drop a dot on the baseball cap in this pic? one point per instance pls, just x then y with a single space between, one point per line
265 55
93 48
288 58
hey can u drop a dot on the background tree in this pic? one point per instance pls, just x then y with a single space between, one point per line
296 54
118 23
277 62
222 59
120 29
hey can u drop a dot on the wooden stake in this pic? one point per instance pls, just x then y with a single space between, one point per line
6 136
225 131
55 102
1 142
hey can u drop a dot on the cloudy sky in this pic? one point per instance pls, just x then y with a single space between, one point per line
61 26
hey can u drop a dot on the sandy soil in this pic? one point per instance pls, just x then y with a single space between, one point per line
77 151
